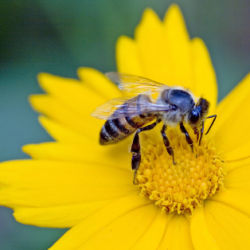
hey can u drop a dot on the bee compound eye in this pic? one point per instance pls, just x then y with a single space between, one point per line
173 107
194 116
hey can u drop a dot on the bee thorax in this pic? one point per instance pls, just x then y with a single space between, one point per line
172 118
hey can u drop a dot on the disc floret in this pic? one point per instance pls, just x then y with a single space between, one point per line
181 187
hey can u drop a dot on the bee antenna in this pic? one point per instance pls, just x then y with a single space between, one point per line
212 123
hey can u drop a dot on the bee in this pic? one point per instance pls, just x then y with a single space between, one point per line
145 104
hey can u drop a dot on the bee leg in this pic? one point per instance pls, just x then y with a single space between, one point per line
196 132
167 143
136 155
202 131
136 148
188 138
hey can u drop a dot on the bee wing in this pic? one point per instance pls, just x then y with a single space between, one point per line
114 108
107 109
134 85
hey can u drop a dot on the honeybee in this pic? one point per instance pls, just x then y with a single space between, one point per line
148 101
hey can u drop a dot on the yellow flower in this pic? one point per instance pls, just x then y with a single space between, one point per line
202 202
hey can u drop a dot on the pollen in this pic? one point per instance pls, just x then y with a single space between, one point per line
183 186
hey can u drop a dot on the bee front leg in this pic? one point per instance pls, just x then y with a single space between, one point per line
196 132
188 138
202 130
136 148
167 143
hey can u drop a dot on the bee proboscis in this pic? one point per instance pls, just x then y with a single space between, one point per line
148 101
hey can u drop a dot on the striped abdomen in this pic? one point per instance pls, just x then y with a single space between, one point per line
119 128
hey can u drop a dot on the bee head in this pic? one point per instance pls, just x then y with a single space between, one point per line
198 112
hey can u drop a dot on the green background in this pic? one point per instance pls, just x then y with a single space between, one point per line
59 36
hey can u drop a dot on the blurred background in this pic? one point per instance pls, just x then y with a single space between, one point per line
59 36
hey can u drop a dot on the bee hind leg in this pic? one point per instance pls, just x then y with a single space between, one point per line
167 143
136 148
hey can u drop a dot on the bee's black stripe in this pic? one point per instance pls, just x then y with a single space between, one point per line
104 136
120 126
111 129
130 122
142 116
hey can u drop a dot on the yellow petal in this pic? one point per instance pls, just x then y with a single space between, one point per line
124 231
201 236
238 154
99 83
231 165
67 136
233 100
151 47
236 158
81 153
72 93
62 216
177 236
127 57
232 124
133 210
237 198
239 176
178 48
204 75
229 227
41 183
61 133
152 237
70 118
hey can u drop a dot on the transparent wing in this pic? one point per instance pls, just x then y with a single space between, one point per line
115 108
134 85
107 109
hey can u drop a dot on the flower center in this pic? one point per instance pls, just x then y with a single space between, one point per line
183 186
